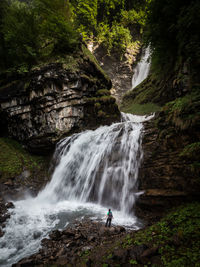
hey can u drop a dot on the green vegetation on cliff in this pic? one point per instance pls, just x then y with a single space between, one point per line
172 32
19 166
114 24
172 241
34 31
14 159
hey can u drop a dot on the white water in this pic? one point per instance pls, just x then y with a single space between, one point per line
95 170
142 69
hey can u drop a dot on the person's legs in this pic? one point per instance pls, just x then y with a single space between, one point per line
106 223
109 223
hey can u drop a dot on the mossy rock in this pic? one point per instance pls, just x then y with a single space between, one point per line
173 241
14 159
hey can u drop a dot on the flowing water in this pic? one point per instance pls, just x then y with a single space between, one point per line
95 170
142 69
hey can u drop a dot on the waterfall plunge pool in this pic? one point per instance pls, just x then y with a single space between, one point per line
95 170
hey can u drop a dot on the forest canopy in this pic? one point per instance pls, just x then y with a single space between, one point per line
172 30
33 30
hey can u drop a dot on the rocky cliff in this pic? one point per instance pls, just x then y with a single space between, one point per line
40 107
170 172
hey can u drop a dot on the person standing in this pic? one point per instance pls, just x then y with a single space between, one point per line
109 218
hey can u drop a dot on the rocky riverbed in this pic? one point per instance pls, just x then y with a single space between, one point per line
70 246
4 214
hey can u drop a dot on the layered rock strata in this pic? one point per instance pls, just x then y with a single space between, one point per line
43 106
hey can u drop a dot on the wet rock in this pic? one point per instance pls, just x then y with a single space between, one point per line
121 229
66 247
46 104
120 255
1 233
68 233
149 252
86 248
91 238
10 205
36 234
169 182
137 251
55 235
9 183
61 252
24 263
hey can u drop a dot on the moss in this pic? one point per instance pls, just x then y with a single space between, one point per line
26 85
191 151
140 109
103 92
69 62
90 79
184 112
177 236
101 114
90 99
97 105
107 99
175 239
150 90
92 58
13 159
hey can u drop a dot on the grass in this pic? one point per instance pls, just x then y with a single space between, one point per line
184 112
14 159
139 109
177 237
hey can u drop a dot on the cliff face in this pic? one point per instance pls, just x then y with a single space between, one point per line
170 172
43 106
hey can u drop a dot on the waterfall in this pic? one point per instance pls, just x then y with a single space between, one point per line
95 170
142 69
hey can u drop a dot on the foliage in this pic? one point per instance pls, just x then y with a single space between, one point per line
13 159
20 35
109 21
191 151
31 32
184 111
116 38
92 58
177 236
172 32
86 13
56 28
133 17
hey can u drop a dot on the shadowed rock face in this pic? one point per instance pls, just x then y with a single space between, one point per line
166 177
45 105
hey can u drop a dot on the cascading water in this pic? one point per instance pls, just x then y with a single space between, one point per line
95 170
142 69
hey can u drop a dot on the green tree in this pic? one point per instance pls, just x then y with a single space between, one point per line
56 27
3 9
20 32
33 31
86 16
173 33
